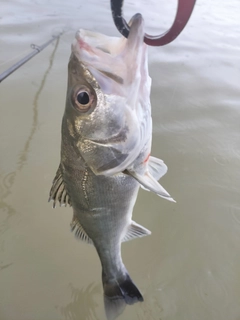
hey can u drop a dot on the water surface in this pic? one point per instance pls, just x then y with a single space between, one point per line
189 267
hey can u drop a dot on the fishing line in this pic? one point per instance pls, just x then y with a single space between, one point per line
14 58
36 50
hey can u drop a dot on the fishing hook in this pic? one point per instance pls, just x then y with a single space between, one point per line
184 11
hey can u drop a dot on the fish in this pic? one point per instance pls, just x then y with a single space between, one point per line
106 151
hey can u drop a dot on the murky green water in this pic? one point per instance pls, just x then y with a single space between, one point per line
189 267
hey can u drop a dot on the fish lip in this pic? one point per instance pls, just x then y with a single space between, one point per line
136 24
136 33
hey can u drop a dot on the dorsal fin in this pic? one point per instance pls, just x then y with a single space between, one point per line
80 233
135 230
58 191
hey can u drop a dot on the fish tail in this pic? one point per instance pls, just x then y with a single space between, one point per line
118 293
124 288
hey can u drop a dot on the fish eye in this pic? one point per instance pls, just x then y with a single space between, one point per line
83 100
83 97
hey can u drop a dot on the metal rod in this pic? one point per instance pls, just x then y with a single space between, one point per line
36 50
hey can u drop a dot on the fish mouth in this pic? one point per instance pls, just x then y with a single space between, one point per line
109 59
88 43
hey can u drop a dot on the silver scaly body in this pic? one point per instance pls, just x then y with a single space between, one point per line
105 151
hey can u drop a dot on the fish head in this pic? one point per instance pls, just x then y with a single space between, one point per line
108 112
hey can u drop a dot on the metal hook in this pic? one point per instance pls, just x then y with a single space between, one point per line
184 11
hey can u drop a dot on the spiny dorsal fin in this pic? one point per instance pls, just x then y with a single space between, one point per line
157 167
80 233
135 230
148 182
58 191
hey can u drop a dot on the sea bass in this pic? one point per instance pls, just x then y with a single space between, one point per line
106 146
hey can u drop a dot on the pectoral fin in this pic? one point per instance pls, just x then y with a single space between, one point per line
148 182
157 168
135 230
58 191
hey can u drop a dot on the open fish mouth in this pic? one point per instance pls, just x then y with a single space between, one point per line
90 45
115 63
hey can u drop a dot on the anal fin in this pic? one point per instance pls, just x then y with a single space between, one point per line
135 230
58 192
80 233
